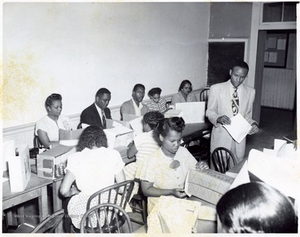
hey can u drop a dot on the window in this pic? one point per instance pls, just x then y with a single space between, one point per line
279 12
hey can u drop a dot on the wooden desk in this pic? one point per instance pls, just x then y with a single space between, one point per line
193 131
36 188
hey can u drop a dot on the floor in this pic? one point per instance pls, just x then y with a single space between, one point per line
275 123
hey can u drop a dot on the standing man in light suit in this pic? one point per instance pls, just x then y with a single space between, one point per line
226 100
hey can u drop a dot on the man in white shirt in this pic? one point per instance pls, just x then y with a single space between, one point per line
135 106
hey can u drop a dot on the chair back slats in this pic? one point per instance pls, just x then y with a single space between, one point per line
222 158
204 94
106 218
117 194
50 223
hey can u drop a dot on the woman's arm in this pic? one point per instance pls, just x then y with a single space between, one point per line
66 188
150 191
131 150
44 139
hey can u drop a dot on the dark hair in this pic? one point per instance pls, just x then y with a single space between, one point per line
52 98
183 83
136 86
154 91
256 208
174 123
241 64
92 136
101 92
153 118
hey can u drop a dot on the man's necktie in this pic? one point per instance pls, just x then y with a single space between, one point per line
235 102
103 119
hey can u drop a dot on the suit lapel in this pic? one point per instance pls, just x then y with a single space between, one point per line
97 116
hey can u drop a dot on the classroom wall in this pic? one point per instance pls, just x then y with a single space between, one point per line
232 20
76 48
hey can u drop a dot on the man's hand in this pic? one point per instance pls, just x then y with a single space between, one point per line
224 120
254 129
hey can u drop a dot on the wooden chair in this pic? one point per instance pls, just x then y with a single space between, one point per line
48 225
222 159
106 218
204 94
119 194
138 204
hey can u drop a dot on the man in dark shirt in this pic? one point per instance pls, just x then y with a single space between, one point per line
97 113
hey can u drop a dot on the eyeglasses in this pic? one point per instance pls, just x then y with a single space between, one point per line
174 164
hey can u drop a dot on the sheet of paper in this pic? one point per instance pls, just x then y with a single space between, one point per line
129 117
282 174
137 125
115 138
192 112
173 113
208 185
239 128
242 177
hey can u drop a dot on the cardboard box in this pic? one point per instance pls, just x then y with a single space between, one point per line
208 185
118 136
19 169
51 163
70 134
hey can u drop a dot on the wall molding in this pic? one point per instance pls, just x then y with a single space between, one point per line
24 134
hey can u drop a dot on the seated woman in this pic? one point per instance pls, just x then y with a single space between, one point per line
144 144
47 127
93 167
166 171
184 93
256 208
156 103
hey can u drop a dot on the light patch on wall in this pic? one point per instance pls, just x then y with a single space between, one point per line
20 88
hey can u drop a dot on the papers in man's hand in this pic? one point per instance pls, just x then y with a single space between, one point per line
239 128
192 112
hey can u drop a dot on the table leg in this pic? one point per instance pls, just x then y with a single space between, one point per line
21 215
57 202
43 204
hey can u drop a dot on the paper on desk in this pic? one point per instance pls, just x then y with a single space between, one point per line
282 174
137 125
239 128
161 218
173 113
242 177
192 112
117 136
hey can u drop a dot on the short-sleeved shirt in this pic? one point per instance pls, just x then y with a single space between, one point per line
93 170
145 144
161 106
158 171
49 126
